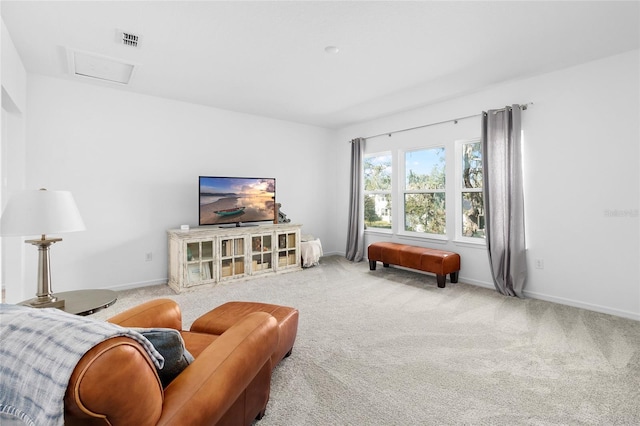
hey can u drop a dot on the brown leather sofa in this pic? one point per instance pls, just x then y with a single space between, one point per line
228 383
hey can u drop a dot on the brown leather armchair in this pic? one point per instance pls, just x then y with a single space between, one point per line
228 383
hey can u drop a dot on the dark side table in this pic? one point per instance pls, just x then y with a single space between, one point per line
84 302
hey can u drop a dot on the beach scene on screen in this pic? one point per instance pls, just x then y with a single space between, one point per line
231 200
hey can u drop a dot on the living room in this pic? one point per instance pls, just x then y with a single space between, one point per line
129 161
132 161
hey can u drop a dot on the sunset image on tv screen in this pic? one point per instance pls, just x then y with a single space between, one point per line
232 200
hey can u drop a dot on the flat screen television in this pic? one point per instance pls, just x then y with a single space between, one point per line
236 200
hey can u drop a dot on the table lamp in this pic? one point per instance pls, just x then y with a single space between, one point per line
41 212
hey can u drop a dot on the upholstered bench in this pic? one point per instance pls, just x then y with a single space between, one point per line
438 262
218 320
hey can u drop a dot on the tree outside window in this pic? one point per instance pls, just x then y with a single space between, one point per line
424 191
377 190
472 199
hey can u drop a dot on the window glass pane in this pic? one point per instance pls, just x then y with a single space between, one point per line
472 215
471 165
425 213
425 169
377 211
377 173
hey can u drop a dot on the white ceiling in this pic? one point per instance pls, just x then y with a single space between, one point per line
268 58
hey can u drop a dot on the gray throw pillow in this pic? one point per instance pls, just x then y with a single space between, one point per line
169 343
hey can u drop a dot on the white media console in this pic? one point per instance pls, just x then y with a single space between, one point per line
202 257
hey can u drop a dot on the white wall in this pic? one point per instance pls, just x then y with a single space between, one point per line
581 167
13 163
132 163
14 76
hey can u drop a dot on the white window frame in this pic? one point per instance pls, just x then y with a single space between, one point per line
390 192
459 190
402 191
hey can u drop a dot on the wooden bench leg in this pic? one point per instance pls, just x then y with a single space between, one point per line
372 265
386 265
442 279
454 277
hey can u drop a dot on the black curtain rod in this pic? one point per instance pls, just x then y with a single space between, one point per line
454 120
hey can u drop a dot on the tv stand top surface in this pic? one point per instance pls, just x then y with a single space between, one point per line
233 225
241 224
255 227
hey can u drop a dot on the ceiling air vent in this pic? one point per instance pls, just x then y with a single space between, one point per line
128 38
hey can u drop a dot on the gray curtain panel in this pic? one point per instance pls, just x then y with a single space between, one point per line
355 233
503 198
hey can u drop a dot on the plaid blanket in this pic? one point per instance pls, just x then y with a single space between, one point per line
39 350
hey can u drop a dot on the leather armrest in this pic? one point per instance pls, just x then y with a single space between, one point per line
159 313
115 381
208 387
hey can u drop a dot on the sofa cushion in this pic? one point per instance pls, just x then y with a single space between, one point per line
195 343
169 343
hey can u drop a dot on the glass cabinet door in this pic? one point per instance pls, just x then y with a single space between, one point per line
261 253
199 262
231 257
287 249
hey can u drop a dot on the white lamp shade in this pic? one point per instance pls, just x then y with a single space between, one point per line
40 212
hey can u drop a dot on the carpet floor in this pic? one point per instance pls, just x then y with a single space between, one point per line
388 347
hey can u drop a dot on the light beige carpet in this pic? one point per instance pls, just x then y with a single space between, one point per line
388 347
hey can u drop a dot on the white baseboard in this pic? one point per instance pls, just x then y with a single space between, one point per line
583 305
561 300
554 299
129 286
478 283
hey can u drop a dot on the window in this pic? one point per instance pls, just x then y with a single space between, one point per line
427 186
377 190
424 191
471 198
